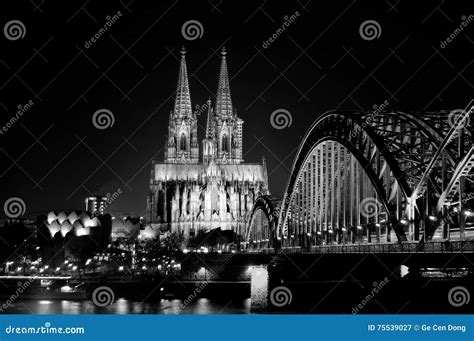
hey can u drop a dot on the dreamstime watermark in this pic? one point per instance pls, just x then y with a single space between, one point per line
110 21
192 30
370 30
14 30
46 329
200 109
465 197
459 118
103 119
377 109
19 113
288 20
375 290
370 207
281 119
459 296
465 22
109 199
281 296
200 287
103 296
21 288
14 207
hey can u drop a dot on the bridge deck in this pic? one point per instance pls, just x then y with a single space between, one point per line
465 246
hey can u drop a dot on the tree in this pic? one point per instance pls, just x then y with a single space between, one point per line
151 248
173 241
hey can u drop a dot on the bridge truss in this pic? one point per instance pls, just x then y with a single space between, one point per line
374 177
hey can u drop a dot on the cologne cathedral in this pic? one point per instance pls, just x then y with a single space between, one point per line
193 191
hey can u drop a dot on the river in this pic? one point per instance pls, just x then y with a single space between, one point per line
126 306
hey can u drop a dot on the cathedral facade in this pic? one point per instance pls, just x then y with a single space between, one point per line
196 190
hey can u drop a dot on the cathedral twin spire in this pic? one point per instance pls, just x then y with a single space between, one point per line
223 136
182 145
182 104
224 101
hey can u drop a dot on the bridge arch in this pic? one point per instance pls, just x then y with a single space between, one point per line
390 152
260 230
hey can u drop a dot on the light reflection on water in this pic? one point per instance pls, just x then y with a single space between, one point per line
125 306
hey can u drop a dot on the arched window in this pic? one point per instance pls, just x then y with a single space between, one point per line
182 143
225 143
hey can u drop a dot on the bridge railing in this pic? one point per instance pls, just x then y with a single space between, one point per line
465 246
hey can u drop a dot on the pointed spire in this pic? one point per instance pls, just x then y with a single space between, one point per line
224 101
182 104
152 172
209 126
265 173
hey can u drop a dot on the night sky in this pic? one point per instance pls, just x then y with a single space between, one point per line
53 156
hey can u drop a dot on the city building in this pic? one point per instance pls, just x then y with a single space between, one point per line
96 204
189 193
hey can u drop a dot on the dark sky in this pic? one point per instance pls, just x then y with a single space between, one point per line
53 156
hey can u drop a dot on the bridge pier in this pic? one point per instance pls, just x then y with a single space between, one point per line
266 288
259 287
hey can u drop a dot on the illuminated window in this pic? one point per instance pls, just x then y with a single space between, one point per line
182 145
225 143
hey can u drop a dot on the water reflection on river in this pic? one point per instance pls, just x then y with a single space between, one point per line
125 306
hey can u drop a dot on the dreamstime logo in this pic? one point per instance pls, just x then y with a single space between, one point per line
19 113
377 109
456 115
466 197
281 296
14 30
14 207
192 30
109 199
377 287
370 30
22 286
103 296
281 119
458 296
103 119
200 109
288 20
466 20
199 287
105 27
369 207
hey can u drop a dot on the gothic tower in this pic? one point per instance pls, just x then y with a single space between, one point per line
209 144
226 124
182 142
187 196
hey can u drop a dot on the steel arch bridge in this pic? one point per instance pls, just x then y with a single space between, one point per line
374 177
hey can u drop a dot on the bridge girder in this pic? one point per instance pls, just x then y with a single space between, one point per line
412 154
